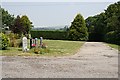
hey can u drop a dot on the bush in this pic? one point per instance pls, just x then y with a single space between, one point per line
111 37
56 35
15 40
19 43
4 41
16 36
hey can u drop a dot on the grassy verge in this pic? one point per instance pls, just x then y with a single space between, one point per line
55 48
113 46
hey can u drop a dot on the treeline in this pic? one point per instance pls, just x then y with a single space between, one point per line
106 25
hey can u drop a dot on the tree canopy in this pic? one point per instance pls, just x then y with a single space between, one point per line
18 25
78 29
26 24
7 19
106 25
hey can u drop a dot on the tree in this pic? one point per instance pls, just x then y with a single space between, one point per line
26 24
96 27
90 24
100 27
7 19
78 29
106 25
113 23
21 25
17 26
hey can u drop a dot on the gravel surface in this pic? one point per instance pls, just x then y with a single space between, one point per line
94 60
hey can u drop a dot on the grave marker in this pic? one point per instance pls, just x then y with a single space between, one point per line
41 38
36 42
24 41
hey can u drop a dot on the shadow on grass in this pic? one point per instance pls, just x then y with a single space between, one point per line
19 49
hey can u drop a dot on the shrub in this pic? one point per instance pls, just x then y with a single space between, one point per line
4 41
15 40
56 35
19 43
111 37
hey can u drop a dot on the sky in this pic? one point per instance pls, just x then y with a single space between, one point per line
44 14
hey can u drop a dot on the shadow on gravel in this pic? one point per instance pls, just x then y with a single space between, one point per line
109 56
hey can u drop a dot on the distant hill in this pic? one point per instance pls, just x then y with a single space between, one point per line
51 28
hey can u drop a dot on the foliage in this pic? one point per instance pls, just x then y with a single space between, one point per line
106 25
111 37
78 29
57 35
4 41
26 24
13 40
113 22
7 19
17 27
22 25
96 27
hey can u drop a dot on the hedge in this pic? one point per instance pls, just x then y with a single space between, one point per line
55 35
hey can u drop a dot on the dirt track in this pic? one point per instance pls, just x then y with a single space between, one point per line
94 60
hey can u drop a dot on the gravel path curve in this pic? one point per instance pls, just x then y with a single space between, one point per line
94 60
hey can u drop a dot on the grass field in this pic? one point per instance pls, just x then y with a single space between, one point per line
55 48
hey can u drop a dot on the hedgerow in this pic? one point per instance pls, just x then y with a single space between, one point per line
55 35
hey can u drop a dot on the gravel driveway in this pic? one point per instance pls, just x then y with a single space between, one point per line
94 60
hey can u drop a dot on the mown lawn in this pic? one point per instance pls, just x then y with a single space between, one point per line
55 48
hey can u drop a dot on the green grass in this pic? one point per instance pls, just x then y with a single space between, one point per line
113 46
59 47
55 48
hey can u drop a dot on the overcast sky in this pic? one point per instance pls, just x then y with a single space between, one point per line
54 13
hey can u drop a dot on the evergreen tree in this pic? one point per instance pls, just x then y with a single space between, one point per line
78 29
